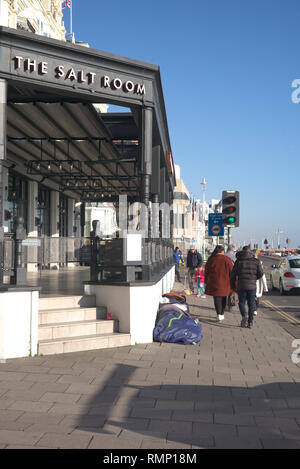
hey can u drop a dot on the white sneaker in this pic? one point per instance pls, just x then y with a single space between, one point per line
255 313
220 317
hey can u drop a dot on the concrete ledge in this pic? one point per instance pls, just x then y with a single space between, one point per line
134 305
15 288
18 323
137 283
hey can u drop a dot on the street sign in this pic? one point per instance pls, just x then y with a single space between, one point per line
31 242
182 238
215 224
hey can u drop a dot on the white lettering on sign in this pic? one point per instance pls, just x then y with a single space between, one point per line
140 89
129 86
81 78
117 84
71 75
28 65
105 82
91 78
43 68
59 71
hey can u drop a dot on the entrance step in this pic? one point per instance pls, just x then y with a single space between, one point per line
68 302
84 343
74 324
76 329
53 316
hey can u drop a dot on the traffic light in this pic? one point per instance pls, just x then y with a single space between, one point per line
230 208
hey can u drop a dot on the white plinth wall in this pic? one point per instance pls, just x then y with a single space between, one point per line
18 324
135 307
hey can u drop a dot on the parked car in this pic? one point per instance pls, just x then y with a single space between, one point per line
286 275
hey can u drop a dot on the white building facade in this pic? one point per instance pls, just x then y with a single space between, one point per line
43 17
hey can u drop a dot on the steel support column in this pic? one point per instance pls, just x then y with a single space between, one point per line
147 116
3 120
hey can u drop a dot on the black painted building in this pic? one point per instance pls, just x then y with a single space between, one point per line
57 151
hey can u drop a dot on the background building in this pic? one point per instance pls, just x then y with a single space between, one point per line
182 232
42 17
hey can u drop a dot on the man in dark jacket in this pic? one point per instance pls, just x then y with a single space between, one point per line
246 270
194 259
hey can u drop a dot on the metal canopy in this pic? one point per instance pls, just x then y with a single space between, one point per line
51 88
67 143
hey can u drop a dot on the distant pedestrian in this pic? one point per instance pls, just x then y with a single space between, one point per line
199 279
261 287
247 270
232 255
194 259
217 279
177 259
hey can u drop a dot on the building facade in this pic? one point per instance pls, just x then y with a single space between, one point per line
182 210
43 17
58 154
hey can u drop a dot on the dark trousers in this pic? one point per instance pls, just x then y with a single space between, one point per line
249 296
177 273
191 278
220 304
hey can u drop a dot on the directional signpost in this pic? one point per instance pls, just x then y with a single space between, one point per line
215 224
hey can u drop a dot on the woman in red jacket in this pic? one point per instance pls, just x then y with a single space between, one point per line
217 279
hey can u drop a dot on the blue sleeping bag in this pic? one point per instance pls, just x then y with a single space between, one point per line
173 325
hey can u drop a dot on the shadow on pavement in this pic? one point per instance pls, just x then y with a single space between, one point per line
198 415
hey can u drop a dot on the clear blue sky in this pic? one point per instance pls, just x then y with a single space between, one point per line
227 69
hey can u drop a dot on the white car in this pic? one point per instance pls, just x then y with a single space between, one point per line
286 275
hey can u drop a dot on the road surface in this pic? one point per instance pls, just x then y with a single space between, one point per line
285 309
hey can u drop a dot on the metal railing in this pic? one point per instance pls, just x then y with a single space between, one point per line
104 256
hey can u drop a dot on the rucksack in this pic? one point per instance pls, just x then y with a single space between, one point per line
177 327
175 298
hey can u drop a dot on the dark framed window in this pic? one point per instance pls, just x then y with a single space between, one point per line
43 211
17 198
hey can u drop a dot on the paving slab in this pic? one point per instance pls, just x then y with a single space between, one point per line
238 389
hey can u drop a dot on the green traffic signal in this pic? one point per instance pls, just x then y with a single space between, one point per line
230 208
229 221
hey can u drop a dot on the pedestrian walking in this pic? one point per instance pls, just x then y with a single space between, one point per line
232 256
217 279
246 270
199 279
261 287
231 253
194 260
177 259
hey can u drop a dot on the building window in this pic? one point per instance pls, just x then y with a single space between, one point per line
17 199
63 216
43 212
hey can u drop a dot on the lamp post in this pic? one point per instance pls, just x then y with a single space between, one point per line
203 184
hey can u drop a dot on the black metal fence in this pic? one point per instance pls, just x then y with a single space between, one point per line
104 256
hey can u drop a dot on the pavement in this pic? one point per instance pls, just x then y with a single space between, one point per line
238 389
